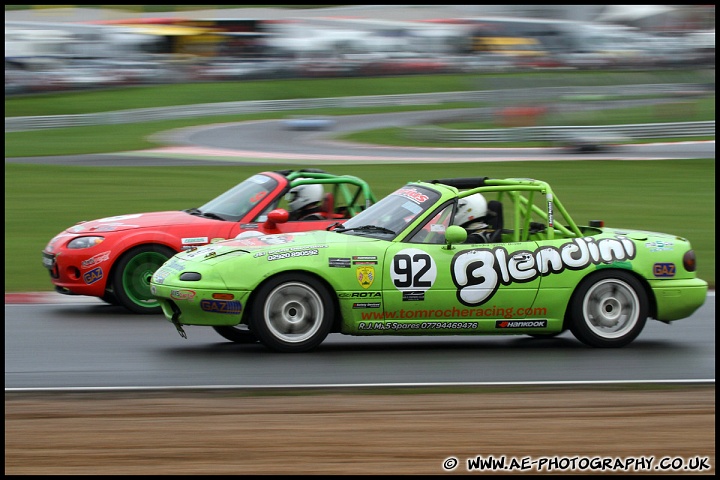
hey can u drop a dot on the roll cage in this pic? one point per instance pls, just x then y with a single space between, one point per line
524 196
342 192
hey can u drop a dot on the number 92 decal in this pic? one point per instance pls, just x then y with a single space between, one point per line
412 270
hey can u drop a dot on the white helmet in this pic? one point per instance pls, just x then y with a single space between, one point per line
303 195
470 208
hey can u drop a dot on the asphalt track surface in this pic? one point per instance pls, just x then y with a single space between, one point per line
82 343
272 142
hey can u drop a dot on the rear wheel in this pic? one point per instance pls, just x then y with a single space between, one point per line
238 334
131 277
292 313
609 309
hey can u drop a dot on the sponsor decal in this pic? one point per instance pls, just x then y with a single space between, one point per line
664 270
413 296
107 228
258 196
255 238
111 227
292 254
204 251
366 305
335 262
429 312
58 237
477 274
93 275
521 324
232 307
182 294
161 274
360 295
277 239
174 264
412 194
413 269
120 217
551 221
364 260
659 246
365 276
397 326
192 240
94 260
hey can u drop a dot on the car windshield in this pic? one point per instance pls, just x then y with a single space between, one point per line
390 216
239 200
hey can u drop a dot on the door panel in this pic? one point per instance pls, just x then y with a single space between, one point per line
469 282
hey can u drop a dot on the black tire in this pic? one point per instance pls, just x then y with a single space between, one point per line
237 334
292 313
608 309
110 298
131 277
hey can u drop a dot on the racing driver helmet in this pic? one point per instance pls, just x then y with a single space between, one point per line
470 208
304 195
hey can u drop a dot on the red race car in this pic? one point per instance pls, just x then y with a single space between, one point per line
113 258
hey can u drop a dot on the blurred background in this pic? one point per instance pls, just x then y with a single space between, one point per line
82 80
56 48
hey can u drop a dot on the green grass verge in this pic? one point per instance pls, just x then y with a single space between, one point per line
41 200
685 110
137 136
126 137
68 103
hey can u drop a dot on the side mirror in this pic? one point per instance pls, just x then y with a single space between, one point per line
279 215
454 234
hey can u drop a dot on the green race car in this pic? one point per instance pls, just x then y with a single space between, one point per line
461 256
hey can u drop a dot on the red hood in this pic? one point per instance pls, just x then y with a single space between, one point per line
139 220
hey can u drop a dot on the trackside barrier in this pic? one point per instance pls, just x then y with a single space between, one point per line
530 134
20 124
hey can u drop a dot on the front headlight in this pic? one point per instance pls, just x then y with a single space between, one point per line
84 242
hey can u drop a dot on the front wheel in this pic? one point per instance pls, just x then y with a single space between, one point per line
110 298
292 313
238 334
131 277
609 309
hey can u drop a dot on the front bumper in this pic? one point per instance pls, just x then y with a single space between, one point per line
184 306
70 278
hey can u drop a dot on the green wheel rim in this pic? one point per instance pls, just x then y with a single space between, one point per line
136 278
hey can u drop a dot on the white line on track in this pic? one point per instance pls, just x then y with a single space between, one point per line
699 381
